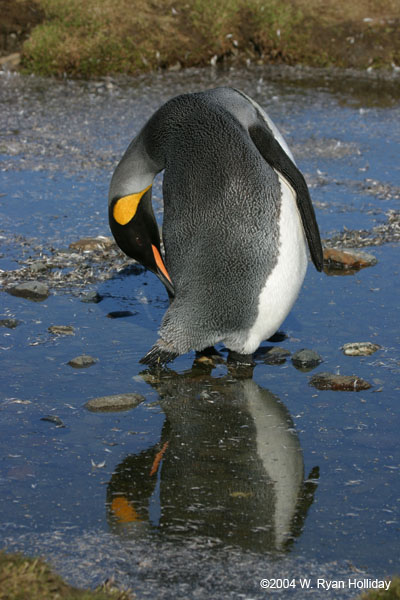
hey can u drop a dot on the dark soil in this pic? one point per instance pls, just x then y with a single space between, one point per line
17 20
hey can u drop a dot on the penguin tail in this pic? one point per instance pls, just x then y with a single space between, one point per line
160 354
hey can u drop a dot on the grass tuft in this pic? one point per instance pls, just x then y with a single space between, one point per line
24 578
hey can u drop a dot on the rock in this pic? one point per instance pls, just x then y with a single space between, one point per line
9 323
120 314
278 336
305 360
176 67
53 419
360 348
61 330
117 402
10 62
91 296
38 266
100 242
83 361
274 355
32 290
336 260
346 383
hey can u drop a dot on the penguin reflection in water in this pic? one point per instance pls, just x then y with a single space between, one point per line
237 214
228 467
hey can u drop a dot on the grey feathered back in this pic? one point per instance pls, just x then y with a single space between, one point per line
221 212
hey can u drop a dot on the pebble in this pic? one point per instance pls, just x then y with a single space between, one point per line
385 233
61 329
53 419
70 267
346 383
360 348
91 296
32 290
120 314
91 244
9 323
116 402
82 362
278 336
275 355
305 359
336 259
39 267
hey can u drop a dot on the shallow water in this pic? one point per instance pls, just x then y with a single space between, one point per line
217 479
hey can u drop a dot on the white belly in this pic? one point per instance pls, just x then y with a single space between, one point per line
283 284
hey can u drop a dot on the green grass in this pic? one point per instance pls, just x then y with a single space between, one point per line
100 37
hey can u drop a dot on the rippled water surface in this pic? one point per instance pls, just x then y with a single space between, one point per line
216 479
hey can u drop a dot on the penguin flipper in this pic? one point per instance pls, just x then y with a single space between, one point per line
160 354
271 150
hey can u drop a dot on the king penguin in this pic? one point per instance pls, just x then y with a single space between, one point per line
237 219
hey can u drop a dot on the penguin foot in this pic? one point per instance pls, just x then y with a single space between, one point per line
240 359
210 353
159 355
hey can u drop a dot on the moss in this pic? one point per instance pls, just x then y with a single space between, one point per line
22 578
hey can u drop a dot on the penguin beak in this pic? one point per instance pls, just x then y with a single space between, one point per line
162 272
135 230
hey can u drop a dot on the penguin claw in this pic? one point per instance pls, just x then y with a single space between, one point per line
159 355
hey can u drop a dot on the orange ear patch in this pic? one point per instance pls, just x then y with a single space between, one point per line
124 510
125 208
160 263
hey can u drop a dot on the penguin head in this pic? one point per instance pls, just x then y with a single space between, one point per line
135 230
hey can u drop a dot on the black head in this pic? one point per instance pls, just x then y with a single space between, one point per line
135 230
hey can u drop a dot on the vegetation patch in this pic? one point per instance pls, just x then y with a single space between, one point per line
393 593
99 37
22 578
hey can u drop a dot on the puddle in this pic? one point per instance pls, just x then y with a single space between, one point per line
218 479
